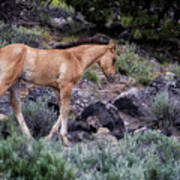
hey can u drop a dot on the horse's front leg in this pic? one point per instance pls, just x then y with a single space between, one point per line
65 93
16 105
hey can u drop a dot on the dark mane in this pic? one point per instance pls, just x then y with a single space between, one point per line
96 39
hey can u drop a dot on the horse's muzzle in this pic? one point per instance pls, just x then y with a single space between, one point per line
111 78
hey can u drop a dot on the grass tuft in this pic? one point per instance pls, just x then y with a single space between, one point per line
91 75
163 110
131 64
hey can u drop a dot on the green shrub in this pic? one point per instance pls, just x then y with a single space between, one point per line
13 34
163 110
38 117
22 159
175 68
143 20
91 75
145 156
129 63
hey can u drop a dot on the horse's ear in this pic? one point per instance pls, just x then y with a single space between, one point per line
111 44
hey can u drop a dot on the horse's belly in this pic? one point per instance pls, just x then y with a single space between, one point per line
37 78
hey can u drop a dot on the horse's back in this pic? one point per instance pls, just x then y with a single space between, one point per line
11 52
11 60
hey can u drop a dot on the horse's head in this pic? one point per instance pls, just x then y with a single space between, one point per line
107 62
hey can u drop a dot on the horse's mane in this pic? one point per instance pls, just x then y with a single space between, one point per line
96 39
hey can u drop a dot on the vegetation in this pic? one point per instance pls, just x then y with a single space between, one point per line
39 117
148 155
175 68
21 159
32 10
145 156
91 75
131 64
143 19
163 110
13 34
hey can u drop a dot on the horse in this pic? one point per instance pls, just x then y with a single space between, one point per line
59 69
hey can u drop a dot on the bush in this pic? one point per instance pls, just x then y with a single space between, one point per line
91 75
13 34
129 63
23 159
145 156
143 19
38 116
163 110
175 68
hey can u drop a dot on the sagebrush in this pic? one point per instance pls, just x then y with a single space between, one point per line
131 64
146 156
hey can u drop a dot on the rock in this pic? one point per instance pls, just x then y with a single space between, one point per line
70 20
59 23
138 102
103 134
129 102
142 129
102 130
5 107
103 114
3 117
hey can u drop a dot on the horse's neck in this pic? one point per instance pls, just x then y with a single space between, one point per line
90 54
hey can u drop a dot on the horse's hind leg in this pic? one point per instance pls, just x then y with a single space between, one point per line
16 105
3 87
65 93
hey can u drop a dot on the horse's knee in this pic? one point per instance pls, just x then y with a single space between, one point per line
63 131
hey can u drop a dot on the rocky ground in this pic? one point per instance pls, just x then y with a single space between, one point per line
91 108
108 110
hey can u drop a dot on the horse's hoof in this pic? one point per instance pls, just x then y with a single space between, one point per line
48 137
65 141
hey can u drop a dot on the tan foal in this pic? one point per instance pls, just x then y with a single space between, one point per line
59 69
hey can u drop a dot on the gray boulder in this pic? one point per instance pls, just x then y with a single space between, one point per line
138 102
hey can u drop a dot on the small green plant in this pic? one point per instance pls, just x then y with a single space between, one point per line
175 68
129 63
162 60
91 75
163 110
57 4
